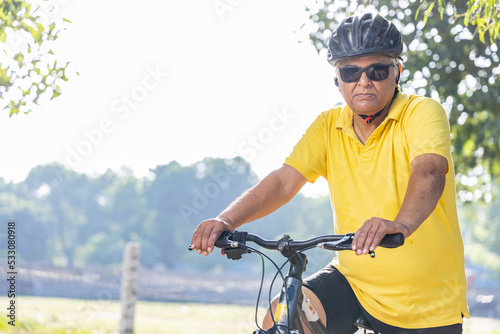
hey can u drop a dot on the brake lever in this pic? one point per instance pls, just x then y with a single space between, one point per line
341 244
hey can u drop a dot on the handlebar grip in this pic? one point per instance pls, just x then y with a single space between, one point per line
224 240
392 240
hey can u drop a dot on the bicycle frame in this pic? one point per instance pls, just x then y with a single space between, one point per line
292 304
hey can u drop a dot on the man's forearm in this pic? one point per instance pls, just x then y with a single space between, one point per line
422 195
266 197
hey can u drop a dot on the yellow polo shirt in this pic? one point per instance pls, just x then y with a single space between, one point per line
421 284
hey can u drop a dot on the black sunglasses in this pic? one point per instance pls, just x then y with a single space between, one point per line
374 72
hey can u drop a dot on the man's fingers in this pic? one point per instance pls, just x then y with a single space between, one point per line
369 236
206 234
213 238
384 227
196 241
376 239
360 237
205 242
371 233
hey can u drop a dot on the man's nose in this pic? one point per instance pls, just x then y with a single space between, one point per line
364 80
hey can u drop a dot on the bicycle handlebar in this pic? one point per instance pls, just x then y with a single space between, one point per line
231 242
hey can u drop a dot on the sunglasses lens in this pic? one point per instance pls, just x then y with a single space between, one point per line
350 74
378 72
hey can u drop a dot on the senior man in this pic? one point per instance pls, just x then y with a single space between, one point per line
386 157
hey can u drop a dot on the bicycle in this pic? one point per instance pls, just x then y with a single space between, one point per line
293 308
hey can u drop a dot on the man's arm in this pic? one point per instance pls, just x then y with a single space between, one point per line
425 187
275 190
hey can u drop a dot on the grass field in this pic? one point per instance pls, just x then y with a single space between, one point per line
74 316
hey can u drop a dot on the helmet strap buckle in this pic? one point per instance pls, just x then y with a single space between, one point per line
369 118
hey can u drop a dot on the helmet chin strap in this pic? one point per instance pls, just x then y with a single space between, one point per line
369 118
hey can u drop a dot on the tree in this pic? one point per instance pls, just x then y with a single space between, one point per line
32 222
483 14
481 231
444 60
182 196
74 207
28 67
126 217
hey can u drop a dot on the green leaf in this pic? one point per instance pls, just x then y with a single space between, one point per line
56 93
468 14
481 35
428 11
497 29
26 92
4 77
3 36
416 13
13 108
19 58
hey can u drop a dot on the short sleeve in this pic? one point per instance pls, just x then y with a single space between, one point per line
309 154
428 130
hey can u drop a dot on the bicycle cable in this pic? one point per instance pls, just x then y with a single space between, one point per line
262 255
278 271
286 294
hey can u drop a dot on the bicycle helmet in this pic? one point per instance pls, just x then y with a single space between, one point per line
364 35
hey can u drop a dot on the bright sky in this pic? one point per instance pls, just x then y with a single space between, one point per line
174 80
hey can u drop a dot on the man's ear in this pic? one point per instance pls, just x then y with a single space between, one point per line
400 68
336 80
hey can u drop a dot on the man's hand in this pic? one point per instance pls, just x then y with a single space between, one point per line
372 231
207 232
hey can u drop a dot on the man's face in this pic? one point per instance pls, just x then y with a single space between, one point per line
366 96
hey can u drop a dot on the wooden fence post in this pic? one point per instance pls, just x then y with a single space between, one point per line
128 294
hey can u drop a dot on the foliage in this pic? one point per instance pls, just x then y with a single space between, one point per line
443 60
481 230
483 14
28 67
